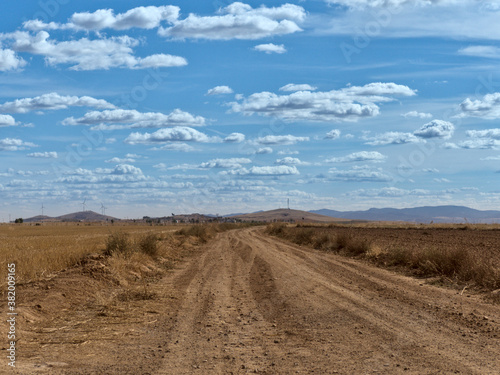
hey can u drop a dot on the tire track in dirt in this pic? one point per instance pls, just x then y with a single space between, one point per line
254 304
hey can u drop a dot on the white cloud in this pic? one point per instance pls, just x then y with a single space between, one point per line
488 107
280 140
270 48
360 174
121 173
481 51
46 155
116 160
297 87
234 138
225 163
488 133
333 134
436 129
141 17
136 119
359 156
421 115
52 101
14 144
87 54
175 134
476 144
348 104
441 180
280 170
220 90
290 161
239 21
392 138
182 147
6 120
10 61
264 151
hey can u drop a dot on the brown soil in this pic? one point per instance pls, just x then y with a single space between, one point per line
249 303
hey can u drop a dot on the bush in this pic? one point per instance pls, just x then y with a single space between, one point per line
149 244
303 236
276 229
118 242
199 231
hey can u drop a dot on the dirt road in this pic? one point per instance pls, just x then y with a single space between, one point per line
252 304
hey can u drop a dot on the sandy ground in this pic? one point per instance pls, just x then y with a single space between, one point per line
249 303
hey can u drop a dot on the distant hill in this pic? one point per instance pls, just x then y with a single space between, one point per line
284 214
76 216
426 214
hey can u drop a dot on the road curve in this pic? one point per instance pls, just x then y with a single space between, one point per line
255 304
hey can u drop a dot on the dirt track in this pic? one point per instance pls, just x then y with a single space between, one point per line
253 304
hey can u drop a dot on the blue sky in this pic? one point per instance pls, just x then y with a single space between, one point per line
218 107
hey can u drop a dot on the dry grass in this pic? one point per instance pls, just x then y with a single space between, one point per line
459 264
40 251
321 238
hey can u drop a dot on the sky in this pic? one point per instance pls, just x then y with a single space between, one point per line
218 107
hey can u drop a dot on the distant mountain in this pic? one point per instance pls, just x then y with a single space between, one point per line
284 214
76 216
437 214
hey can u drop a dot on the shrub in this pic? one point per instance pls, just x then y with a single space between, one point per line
149 244
276 229
303 236
118 242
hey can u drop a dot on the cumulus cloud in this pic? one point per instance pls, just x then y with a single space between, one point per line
14 144
175 134
225 163
270 48
417 114
359 156
10 61
220 90
235 138
116 160
481 51
290 161
288 152
89 54
436 129
348 104
280 140
392 138
45 155
360 174
239 21
297 87
140 17
52 101
488 107
332 134
135 119
281 170
264 151
6 120
480 139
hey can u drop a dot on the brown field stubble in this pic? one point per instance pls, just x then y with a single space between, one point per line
464 254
